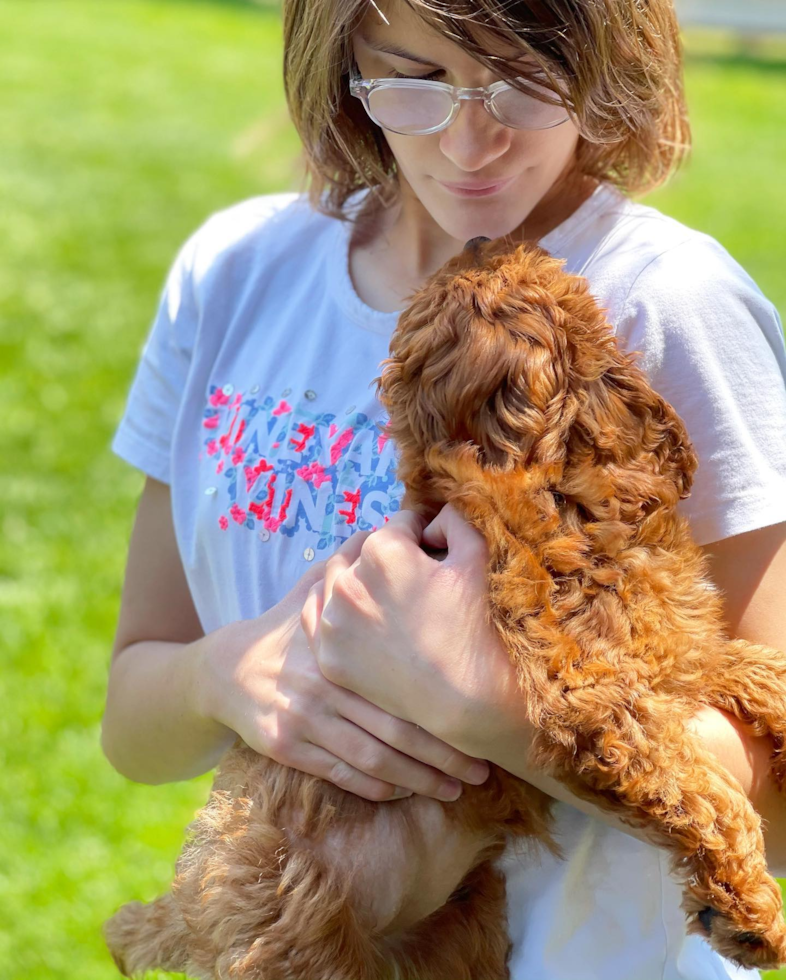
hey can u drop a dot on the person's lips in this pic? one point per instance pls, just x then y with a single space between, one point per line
476 189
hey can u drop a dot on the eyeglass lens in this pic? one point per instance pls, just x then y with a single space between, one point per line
410 110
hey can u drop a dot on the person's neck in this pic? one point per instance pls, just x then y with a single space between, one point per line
419 246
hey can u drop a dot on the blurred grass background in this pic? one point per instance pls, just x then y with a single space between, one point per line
124 124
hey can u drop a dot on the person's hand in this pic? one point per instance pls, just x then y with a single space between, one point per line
413 635
264 684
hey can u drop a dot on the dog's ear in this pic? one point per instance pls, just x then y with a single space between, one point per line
628 452
515 359
481 358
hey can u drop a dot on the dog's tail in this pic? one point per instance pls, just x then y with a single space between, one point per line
149 936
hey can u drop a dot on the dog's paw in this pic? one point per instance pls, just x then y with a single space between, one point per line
746 943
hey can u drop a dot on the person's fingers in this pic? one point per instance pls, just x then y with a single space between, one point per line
406 525
368 755
320 762
465 544
391 554
342 559
410 740
322 588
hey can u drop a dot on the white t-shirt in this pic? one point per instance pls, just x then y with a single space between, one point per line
254 400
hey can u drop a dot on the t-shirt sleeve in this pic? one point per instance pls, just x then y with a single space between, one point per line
144 434
713 346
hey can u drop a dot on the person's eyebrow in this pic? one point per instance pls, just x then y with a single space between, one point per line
390 48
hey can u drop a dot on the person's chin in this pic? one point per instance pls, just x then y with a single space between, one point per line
467 217
477 219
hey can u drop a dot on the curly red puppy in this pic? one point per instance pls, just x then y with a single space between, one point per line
508 397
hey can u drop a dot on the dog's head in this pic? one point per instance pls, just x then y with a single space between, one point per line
505 358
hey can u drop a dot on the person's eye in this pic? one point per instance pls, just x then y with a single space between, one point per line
397 74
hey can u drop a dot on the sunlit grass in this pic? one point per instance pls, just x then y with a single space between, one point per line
124 124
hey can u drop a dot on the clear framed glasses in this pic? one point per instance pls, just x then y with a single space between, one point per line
420 106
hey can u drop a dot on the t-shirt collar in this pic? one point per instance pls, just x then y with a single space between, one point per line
377 321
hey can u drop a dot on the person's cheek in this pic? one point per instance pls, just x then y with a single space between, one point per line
412 160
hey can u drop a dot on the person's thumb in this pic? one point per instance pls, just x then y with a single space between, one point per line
465 544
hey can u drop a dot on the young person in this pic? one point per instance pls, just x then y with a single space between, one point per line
253 417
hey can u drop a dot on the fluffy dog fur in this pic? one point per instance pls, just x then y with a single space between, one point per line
509 397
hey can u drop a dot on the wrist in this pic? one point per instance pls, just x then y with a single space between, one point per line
209 667
490 731
499 722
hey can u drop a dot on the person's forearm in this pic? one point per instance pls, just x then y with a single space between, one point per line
748 759
557 790
745 757
153 729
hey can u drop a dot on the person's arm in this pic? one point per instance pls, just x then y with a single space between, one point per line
751 570
177 700
152 730
712 346
365 621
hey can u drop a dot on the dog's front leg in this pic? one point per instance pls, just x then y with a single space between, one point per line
645 764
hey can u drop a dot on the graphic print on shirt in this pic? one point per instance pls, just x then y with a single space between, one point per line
288 470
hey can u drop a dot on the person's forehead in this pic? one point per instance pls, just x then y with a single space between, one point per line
403 43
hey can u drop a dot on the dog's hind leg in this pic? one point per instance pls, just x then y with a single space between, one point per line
749 682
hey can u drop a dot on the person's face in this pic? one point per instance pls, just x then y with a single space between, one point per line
475 148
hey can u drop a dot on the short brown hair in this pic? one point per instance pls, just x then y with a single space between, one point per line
621 61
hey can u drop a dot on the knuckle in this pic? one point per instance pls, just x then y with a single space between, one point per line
306 613
330 666
376 550
282 747
299 712
312 688
313 577
452 762
341 775
388 552
398 732
379 792
354 542
342 590
399 549
348 590
372 762
334 560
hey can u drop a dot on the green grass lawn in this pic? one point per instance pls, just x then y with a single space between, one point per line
124 124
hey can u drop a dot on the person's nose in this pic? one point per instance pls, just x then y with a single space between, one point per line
475 138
